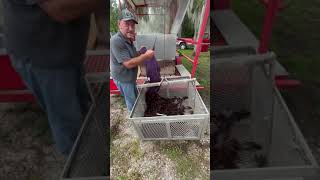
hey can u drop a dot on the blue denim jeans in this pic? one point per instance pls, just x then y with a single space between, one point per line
63 95
129 92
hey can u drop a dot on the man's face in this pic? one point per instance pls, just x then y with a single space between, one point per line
128 29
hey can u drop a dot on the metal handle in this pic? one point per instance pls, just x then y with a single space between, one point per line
166 81
247 60
220 50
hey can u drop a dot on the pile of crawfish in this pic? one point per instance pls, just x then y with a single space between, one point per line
157 105
226 149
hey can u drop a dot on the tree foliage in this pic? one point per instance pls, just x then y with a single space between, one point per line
114 14
187 28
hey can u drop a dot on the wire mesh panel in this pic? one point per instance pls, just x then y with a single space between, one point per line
261 107
287 140
289 155
182 128
245 84
230 87
231 80
90 155
242 84
185 129
190 125
154 130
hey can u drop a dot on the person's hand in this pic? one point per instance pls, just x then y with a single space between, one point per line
149 54
142 50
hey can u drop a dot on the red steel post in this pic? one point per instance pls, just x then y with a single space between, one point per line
269 20
201 33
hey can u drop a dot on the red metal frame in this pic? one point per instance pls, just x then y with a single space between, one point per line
113 88
200 38
194 42
221 4
8 77
13 89
272 8
266 3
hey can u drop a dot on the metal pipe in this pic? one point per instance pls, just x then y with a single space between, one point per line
232 49
268 24
185 56
159 83
195 42
247 60
200 38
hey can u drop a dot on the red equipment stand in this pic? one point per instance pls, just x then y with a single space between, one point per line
13 89
282 79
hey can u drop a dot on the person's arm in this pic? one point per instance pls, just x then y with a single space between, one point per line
66 10
121 53
138 60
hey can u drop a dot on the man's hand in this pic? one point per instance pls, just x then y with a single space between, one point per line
134 62
149 54
64 11
142 50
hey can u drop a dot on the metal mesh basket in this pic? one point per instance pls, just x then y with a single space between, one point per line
246 82
89 158
183 127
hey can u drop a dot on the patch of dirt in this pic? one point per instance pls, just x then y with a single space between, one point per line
132 158
26 148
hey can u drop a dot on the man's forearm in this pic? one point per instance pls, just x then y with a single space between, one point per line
134 62
67 10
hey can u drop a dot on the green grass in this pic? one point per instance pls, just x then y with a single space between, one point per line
123 178
133 176
116 153
187 168
295 37
135 149
123 155
115 129
202 72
